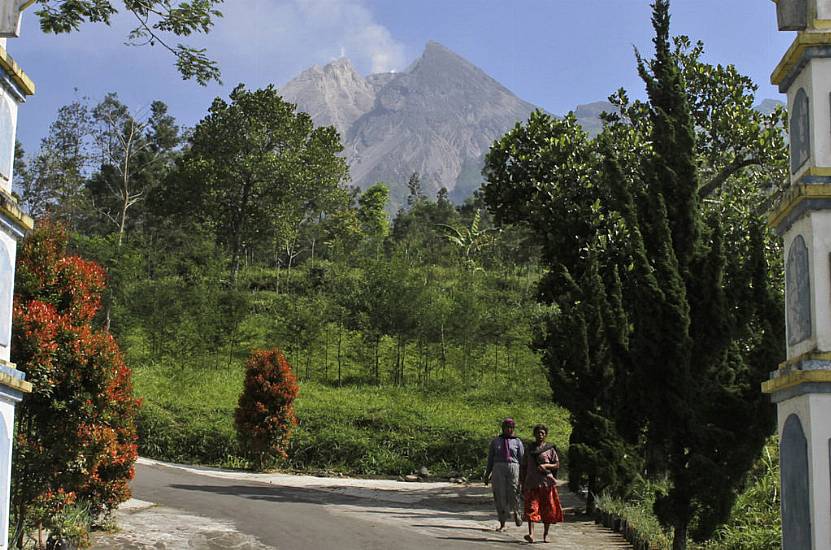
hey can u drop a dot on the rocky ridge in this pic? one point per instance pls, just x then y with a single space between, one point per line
437 118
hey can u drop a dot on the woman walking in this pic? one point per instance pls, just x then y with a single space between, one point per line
504 457
539 486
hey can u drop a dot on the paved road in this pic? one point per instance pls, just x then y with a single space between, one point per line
222 510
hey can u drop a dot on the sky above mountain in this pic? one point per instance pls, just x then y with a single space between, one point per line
552 53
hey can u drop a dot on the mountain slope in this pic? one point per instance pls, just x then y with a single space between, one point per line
435 119
334 95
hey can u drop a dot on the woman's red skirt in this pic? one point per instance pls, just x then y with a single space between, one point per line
542 505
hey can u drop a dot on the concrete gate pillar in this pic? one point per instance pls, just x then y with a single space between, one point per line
14 87
801 386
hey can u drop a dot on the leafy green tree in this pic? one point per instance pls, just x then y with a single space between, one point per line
134 153
659 325
255 168
372 211
469 241
415 232
55 179
415 192
466 319
157 20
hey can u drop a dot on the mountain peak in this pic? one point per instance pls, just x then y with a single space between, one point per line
340 63
335 94
436 53
435 47
437 118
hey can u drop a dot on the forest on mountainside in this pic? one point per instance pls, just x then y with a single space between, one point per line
217 241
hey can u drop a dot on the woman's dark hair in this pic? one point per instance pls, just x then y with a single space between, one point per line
540 427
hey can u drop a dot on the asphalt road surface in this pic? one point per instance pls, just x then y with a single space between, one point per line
289 518
181 507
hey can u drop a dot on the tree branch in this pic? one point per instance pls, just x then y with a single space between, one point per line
734 167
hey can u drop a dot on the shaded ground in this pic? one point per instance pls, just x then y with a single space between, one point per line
211 509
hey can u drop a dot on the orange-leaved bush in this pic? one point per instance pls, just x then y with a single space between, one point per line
76 434
265 413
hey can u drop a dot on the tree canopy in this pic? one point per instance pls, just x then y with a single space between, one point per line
664 322
156 21
256 169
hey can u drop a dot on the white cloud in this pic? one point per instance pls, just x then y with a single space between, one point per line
286 35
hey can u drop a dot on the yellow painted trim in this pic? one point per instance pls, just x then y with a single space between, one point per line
803 41
20 78
821 24
797 194
795 379
817 171
12 382
9 207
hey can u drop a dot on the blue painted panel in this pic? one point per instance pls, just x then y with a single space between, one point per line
6 283
796 503
800 131
798 283
5 457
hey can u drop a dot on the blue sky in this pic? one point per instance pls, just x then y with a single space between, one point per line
553 53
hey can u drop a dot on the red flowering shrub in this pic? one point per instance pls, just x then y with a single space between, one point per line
76 435
265 413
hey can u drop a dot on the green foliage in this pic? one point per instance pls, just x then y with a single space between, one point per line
98 165
755 520
470 241
188 417
662 327
156 20
371 211
254 170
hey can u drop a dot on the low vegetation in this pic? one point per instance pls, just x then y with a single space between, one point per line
754 524
187 416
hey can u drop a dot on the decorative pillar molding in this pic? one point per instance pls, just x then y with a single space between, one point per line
10 11
801 386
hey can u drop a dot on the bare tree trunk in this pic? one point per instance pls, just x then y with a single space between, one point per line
496 360
679 540
309 362
403 361
397 368
377 373
464 359
326 355
427 365
442 352
340 338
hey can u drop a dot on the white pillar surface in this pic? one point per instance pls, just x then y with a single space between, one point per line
813 411
14 87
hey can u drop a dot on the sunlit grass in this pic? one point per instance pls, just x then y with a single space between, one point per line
361 430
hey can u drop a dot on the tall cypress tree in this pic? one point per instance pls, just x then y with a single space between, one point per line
703 393
664 323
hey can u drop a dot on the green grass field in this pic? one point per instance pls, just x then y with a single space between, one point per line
187 416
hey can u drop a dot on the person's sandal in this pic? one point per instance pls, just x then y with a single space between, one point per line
529 538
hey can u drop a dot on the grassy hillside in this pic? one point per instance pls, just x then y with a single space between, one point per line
187 416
